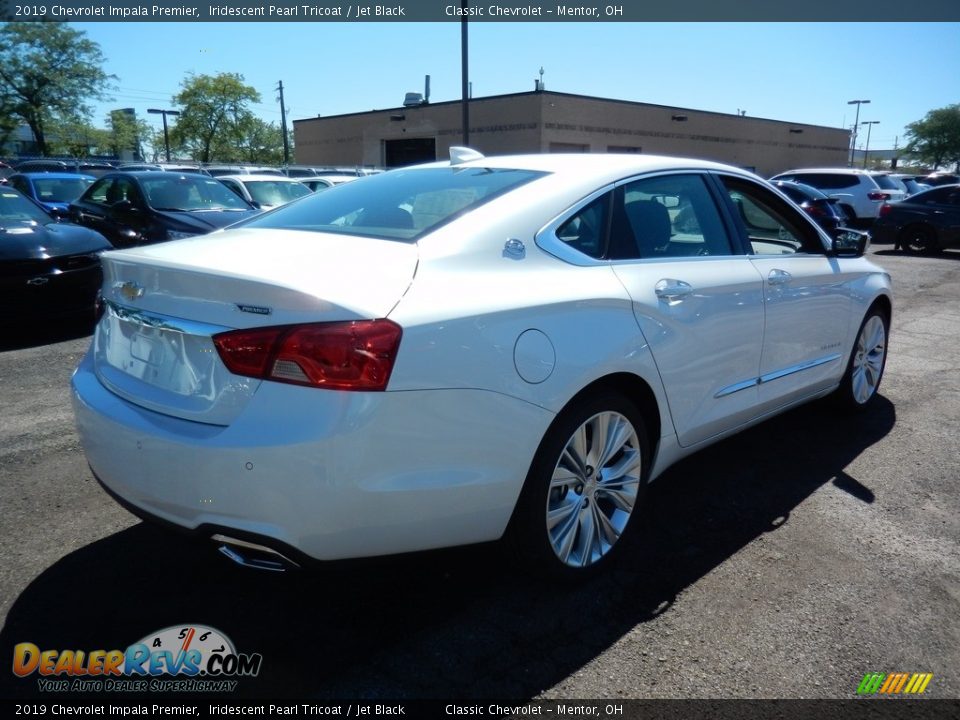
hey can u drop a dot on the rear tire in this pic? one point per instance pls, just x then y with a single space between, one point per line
867 362
584 488
916 239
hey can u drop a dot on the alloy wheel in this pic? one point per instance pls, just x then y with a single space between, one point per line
593 489
868 359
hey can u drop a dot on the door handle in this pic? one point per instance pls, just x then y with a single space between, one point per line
670 289
779 277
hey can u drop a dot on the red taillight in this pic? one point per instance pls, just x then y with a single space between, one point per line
357 355
884 210
878 195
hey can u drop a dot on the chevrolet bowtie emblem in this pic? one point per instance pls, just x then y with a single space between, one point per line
129 289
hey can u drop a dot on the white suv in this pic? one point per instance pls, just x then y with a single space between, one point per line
857 191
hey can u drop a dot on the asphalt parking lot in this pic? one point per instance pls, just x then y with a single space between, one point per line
786 562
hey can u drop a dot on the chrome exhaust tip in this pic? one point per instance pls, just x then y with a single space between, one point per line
251 555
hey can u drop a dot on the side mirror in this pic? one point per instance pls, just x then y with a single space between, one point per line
849 243
60 214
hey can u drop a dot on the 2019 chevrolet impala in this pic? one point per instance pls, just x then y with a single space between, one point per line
464 351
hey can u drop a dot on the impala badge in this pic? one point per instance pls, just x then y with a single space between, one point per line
130 290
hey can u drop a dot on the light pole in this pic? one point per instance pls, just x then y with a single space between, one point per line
866 150
166 137
856 124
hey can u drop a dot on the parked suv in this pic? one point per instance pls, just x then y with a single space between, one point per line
857 191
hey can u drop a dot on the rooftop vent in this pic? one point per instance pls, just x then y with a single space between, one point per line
413 99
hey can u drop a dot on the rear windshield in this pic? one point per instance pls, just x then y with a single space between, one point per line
398 205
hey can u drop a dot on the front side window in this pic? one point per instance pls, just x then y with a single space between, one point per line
772 226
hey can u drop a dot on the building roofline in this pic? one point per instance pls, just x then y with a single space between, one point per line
403 108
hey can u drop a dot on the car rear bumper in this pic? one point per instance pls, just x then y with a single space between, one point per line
344 475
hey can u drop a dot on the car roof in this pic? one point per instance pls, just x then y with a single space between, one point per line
591 168
843 171
261 178
54 175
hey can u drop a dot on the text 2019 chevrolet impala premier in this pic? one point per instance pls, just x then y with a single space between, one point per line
457 352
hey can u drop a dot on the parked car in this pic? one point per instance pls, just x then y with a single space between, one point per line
503 347
825 211
856 190
325 182
265 191
926 222
909 182
55 191
136 208
140 167
891 187
221 170
83 167
940 178
48 269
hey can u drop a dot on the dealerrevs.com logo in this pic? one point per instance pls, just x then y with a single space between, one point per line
182 658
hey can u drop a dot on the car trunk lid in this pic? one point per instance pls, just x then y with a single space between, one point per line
164 303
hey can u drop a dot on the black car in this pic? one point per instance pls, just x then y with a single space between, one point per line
47 268
939 178
137 208
825 211
926 222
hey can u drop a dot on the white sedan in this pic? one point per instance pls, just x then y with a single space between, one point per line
266 191
453 353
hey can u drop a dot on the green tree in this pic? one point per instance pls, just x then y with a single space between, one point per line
262 143
75 137
127 135
48 73
936 139
215 114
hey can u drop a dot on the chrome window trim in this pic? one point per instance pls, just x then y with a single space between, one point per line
547 240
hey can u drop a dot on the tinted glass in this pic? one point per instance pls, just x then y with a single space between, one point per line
60 190
829 181
398 205
585 231
886 182
188 192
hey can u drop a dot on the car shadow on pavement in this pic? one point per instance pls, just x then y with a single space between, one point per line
459 623
22 336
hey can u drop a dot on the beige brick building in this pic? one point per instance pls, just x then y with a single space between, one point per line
543 121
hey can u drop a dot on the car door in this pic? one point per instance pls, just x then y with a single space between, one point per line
114 207
806 295
696 297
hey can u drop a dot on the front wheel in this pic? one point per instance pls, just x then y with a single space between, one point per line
583 489
867 361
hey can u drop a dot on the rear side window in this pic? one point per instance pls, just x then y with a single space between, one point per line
829 181
666 216
886 182
398 205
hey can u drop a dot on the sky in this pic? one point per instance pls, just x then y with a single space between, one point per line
795 72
